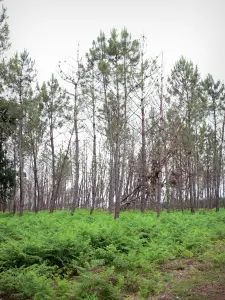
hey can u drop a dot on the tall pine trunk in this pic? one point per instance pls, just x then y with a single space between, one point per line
77 167
21 158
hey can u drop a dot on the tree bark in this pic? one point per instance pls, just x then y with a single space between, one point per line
94 158
77 168
21 155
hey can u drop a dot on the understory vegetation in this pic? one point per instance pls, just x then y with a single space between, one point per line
60 256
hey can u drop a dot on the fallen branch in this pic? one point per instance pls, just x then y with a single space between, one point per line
130 193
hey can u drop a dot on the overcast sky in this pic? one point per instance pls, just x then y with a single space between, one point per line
51 29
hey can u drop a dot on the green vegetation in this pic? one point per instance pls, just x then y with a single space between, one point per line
59 256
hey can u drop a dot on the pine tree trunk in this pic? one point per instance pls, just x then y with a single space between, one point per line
53 198
94 159
217 193
143 158
77 168
117 148
36 183
21 160
124 133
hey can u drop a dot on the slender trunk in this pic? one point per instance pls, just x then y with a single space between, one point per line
143 158
77 168
197 170
219 168
58 182
94 174
160 148
53 196
215 158
94 160
143 141
190 175
190 185
15 186
36 182
167 187
116 177
223 186
209 200
21 158
125 132
111 183
117 148
181 184
87 204
194 187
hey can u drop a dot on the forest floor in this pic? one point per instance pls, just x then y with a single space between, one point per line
139 256
193 280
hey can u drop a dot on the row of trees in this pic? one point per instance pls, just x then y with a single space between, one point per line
120 135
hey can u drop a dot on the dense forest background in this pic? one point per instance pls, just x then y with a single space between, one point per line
110 130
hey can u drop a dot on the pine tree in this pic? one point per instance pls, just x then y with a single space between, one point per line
7 172
184 89
56 114
18 78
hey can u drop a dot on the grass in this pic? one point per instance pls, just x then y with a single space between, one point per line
60 256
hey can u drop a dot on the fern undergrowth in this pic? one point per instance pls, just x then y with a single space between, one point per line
60 256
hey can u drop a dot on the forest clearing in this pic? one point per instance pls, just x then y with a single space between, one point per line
138 256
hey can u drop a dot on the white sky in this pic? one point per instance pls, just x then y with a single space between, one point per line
51 29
